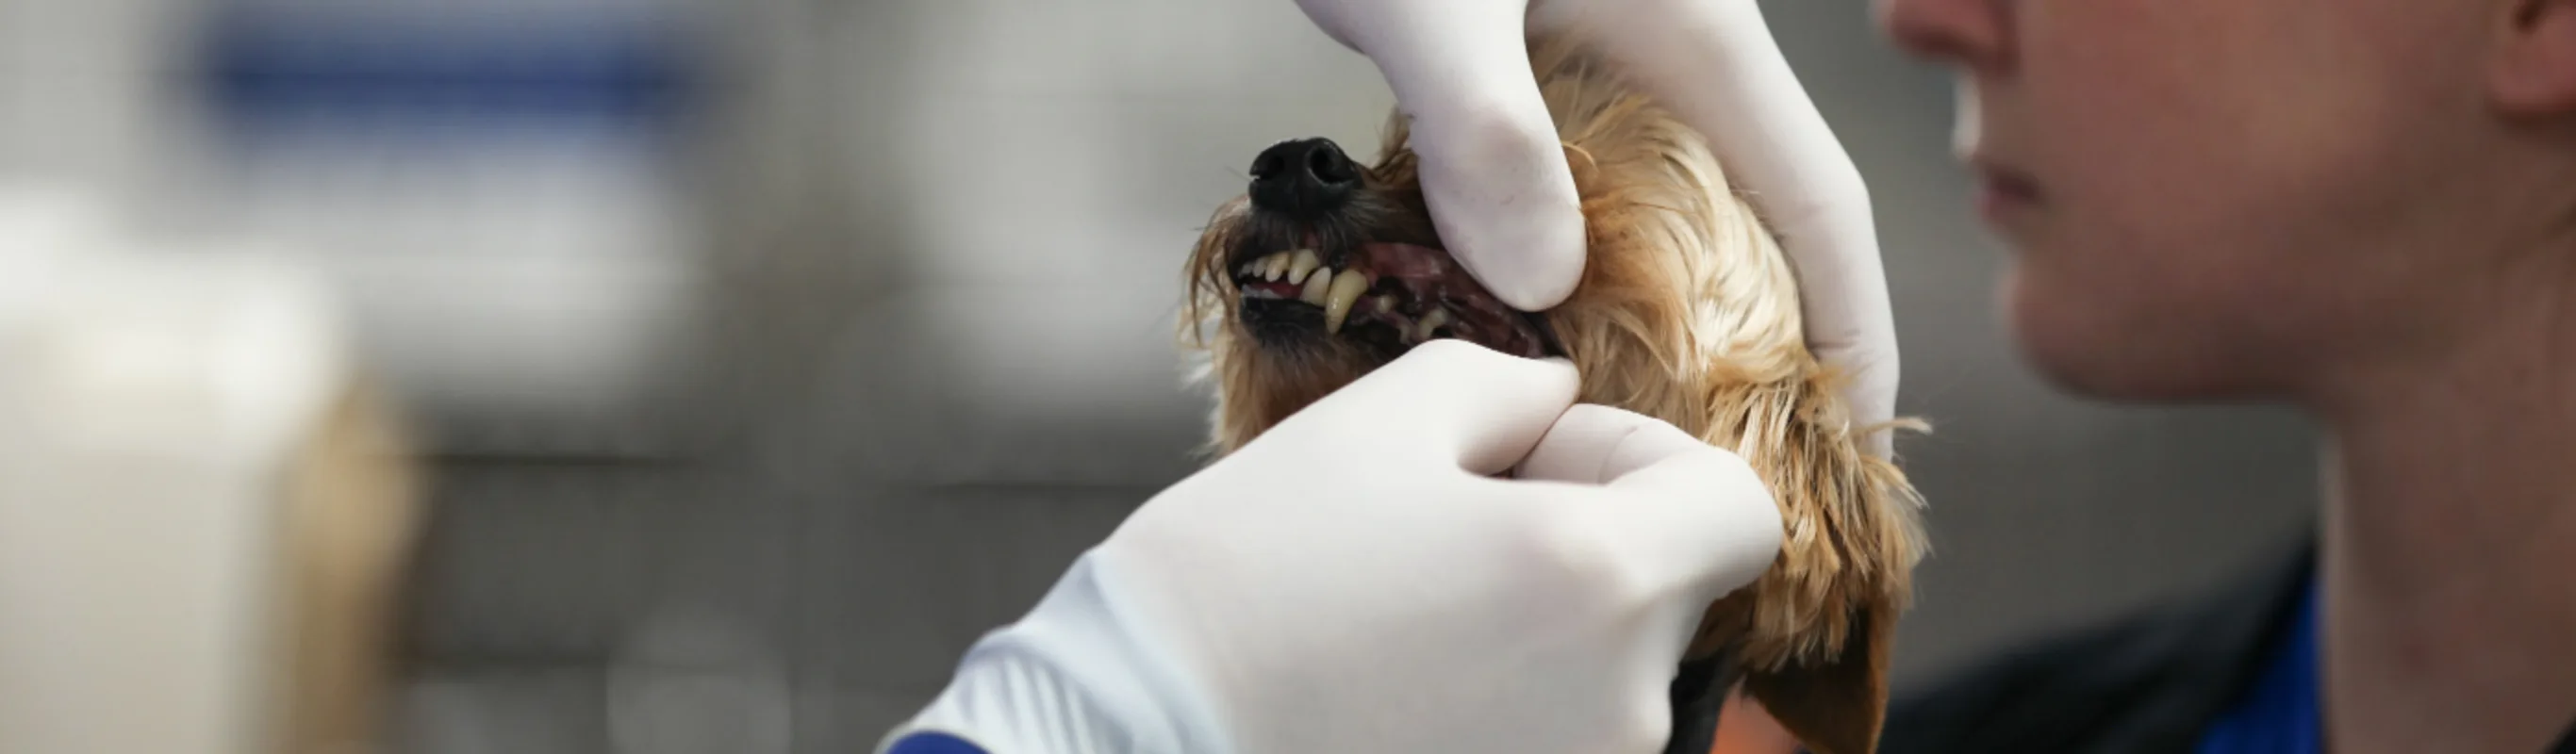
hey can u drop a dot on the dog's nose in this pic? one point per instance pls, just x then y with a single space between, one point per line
1303 176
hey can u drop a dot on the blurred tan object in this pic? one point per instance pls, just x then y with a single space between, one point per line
204 509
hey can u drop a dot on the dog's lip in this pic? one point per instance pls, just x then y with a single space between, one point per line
1416 289
1254 250
1334 249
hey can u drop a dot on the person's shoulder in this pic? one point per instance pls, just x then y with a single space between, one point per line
2146 681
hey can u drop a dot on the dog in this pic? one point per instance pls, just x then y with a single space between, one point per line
1687 311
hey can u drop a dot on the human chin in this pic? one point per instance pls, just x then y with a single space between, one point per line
2041 337
2103 343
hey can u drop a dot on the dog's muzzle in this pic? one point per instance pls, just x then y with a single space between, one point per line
1318 257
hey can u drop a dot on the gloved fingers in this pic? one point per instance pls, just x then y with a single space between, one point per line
1456 399
1493 170
1592 444
1715 63
1495 180
1678 514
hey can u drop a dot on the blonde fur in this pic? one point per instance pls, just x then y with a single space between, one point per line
1688 311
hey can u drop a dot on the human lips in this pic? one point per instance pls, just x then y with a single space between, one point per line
2004 192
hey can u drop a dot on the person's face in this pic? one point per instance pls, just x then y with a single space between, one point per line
2207 197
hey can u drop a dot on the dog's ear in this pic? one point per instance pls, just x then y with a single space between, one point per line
1836 705
1825 624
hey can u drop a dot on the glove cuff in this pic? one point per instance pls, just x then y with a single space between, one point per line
1080 674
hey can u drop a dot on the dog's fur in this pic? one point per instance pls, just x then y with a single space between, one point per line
1688 312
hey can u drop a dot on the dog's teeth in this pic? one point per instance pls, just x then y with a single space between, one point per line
1317 286
1383 304
1433 321
1300 262
1274 267
1337 301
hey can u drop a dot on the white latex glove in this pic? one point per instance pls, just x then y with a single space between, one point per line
1357 581
1494 173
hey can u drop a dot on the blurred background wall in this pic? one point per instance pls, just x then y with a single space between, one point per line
768 351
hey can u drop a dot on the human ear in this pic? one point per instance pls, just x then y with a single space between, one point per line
2534 72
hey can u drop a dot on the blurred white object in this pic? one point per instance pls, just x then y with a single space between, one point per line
531 276
499 186
180 570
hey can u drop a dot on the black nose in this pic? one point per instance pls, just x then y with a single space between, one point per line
1303 176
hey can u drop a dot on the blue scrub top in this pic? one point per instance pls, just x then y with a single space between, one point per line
2278 714
933 743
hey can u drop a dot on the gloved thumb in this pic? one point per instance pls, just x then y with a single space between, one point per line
1686 513
1492 168
1718 67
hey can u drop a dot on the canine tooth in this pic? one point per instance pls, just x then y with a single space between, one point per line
1274 266
1433 321
1300 262
1317 286
1337 302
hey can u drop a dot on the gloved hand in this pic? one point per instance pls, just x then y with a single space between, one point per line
1494 173
1357 580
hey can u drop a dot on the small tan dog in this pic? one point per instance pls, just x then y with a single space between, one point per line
1687 312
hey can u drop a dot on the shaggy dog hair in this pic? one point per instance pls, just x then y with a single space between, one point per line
1687 311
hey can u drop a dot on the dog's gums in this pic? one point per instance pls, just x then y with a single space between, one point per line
1393 295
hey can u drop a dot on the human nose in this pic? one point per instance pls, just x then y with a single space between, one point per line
1976 34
